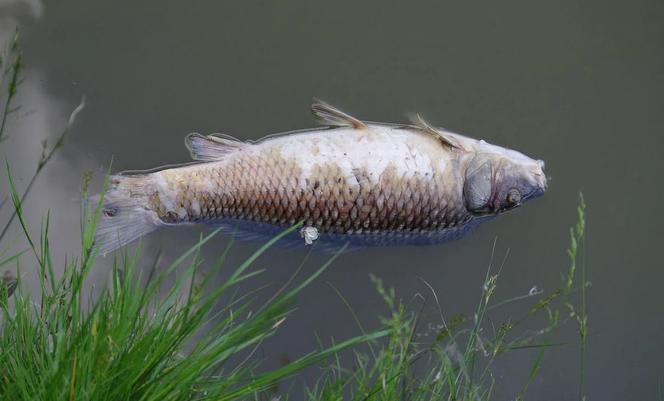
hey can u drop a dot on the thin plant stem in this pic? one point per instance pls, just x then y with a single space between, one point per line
583 329
43 161
12 87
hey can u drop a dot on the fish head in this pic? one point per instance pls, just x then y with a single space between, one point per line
499 179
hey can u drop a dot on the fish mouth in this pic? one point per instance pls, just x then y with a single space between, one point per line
535 193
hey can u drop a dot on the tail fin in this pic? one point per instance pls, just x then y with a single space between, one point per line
125 214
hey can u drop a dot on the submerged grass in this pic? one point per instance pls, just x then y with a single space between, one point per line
139 338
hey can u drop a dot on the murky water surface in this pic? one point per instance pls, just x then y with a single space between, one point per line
578 84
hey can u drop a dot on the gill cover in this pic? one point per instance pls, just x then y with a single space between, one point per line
477 187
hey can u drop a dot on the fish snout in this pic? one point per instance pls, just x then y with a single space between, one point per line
540 184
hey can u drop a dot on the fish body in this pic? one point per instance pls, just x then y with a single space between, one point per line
351 181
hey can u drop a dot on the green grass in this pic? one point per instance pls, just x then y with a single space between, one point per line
141 337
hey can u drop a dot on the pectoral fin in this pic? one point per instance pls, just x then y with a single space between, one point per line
331 116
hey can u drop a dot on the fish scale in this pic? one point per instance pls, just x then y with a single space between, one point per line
261 194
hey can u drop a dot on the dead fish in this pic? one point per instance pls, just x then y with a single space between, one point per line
350 181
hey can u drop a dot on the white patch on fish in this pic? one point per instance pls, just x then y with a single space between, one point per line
371 150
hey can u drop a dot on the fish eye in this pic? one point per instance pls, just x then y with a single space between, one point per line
513 197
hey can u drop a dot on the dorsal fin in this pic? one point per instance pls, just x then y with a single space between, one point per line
333 117
212 147
442 136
